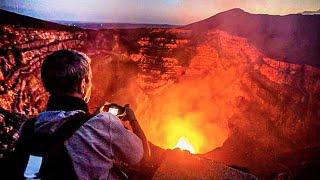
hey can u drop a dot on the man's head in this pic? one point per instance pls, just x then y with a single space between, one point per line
67 72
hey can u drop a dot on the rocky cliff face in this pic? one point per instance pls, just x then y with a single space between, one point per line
271 107
264 110
22 51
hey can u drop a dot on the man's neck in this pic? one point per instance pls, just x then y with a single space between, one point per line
76 95
66 103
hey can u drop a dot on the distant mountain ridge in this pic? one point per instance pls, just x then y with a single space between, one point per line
311 12
292 38
99 26
12 18
27 21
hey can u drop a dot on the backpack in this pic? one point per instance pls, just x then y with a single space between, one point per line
45 151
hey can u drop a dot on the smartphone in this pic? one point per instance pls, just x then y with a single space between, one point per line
113 111
116 110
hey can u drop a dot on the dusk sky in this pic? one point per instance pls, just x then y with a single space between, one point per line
149 11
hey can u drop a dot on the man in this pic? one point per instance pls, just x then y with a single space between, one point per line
99 140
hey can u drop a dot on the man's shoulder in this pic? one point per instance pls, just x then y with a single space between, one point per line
102 115
104 118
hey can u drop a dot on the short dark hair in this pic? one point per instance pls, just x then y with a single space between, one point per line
63 70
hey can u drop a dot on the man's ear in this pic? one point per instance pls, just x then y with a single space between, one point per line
86 89
83 87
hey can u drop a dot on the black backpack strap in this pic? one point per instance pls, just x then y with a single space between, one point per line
57 163
20 155
71 126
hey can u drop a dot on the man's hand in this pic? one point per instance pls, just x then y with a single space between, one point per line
129 114
100 108
137 130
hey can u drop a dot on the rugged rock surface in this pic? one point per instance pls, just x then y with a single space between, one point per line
182 165
271 107
22 51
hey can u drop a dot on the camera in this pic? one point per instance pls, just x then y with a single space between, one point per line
115 109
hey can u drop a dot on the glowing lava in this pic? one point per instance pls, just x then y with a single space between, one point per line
184 144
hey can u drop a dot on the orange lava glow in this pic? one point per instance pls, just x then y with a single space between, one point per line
199 115
184 144
196 107
184 133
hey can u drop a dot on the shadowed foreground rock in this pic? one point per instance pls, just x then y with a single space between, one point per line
183 165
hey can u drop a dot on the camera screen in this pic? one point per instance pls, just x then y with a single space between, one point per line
113 111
